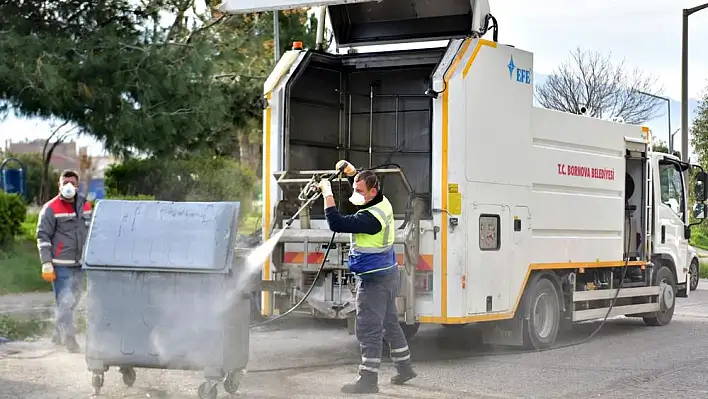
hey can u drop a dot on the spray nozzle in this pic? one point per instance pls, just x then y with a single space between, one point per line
310 189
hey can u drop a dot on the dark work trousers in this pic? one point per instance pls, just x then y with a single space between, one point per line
376 319
68 288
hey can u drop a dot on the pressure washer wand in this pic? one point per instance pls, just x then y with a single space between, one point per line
312 199
305 205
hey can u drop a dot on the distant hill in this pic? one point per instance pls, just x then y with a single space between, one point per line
657 125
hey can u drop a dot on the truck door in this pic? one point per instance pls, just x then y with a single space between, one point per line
671 216
373 22
489 244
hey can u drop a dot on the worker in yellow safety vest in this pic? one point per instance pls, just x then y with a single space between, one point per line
373 261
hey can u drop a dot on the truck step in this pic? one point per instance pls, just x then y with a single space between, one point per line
594 295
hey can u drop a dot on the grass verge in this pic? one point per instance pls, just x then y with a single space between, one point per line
16 329
703 269
19 263
20 270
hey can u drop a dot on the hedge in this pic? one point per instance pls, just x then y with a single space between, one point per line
13 211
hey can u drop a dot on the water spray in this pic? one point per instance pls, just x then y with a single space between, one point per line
309 194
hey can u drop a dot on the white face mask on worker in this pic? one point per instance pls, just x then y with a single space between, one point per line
357 199
67 191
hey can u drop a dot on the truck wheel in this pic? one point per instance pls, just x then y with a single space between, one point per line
694 272
410 330
543 309
667 298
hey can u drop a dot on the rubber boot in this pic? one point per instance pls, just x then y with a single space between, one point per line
366 383
403 375
71 345
56 337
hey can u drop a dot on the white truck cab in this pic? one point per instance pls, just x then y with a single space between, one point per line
672 218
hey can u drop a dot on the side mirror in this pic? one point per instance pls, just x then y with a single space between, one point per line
699 211
700 186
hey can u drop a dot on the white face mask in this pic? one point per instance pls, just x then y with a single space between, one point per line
67 191
357 199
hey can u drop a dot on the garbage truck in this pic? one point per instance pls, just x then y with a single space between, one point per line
521 218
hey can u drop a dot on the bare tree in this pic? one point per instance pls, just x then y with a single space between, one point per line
589 79
47 152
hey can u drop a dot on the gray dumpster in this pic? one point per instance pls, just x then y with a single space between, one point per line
164 291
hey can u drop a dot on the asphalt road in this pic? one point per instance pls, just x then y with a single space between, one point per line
625 360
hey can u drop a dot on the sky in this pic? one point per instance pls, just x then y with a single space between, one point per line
643 33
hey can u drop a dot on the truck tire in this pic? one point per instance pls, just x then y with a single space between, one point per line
667 299
544 314
694 274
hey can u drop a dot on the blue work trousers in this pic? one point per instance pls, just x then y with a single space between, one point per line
68 287
377 319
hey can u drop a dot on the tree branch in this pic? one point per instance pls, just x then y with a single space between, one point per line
590 79
208 26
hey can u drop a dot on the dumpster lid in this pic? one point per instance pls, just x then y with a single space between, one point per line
160 235
362 22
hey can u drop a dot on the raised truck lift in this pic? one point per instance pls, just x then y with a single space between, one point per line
520 218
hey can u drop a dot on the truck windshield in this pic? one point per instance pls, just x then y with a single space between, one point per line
671 182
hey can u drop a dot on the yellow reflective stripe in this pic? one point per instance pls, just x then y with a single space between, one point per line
369 250
376 270
386 226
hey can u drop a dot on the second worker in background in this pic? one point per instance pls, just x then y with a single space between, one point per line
373 261
62 230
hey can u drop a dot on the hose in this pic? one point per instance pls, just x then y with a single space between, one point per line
447 358
307 293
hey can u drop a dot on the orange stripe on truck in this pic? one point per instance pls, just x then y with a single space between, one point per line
425 262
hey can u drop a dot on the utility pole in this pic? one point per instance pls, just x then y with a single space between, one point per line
684 79
276 35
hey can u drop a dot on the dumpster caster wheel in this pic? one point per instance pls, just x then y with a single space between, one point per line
232 382
129 376
207 391
97 383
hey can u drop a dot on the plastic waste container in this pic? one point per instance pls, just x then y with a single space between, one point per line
165 291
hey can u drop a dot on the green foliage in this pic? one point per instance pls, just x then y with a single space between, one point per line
699 131
119 72
660 146
29 227
200 178
16 329
699 237
20 269
17 210
12 213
